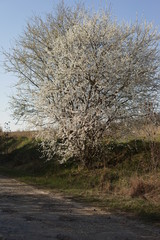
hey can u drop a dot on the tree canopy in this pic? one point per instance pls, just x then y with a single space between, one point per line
79 72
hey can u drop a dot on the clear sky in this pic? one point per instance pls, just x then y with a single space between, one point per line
15 13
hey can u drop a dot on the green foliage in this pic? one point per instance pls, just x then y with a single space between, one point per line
118 186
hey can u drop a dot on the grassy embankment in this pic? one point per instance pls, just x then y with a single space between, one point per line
127 184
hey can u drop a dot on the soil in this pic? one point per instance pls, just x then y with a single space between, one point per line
28 213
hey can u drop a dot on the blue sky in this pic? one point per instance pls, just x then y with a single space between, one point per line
15 13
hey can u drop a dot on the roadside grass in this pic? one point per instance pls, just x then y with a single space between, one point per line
126 185
86 187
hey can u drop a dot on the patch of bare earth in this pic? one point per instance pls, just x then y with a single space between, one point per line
27 213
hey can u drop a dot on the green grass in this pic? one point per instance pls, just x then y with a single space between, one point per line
106 188
80 187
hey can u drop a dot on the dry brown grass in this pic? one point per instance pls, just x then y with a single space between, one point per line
147 187
28 134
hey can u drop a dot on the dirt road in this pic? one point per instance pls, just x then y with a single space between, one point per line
27 213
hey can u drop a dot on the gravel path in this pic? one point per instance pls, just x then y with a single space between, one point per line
27 213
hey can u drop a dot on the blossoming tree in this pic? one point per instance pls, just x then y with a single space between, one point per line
78 73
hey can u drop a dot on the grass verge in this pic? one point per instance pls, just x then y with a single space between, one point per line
86 187
119 188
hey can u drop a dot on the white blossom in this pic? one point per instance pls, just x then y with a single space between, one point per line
78 73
